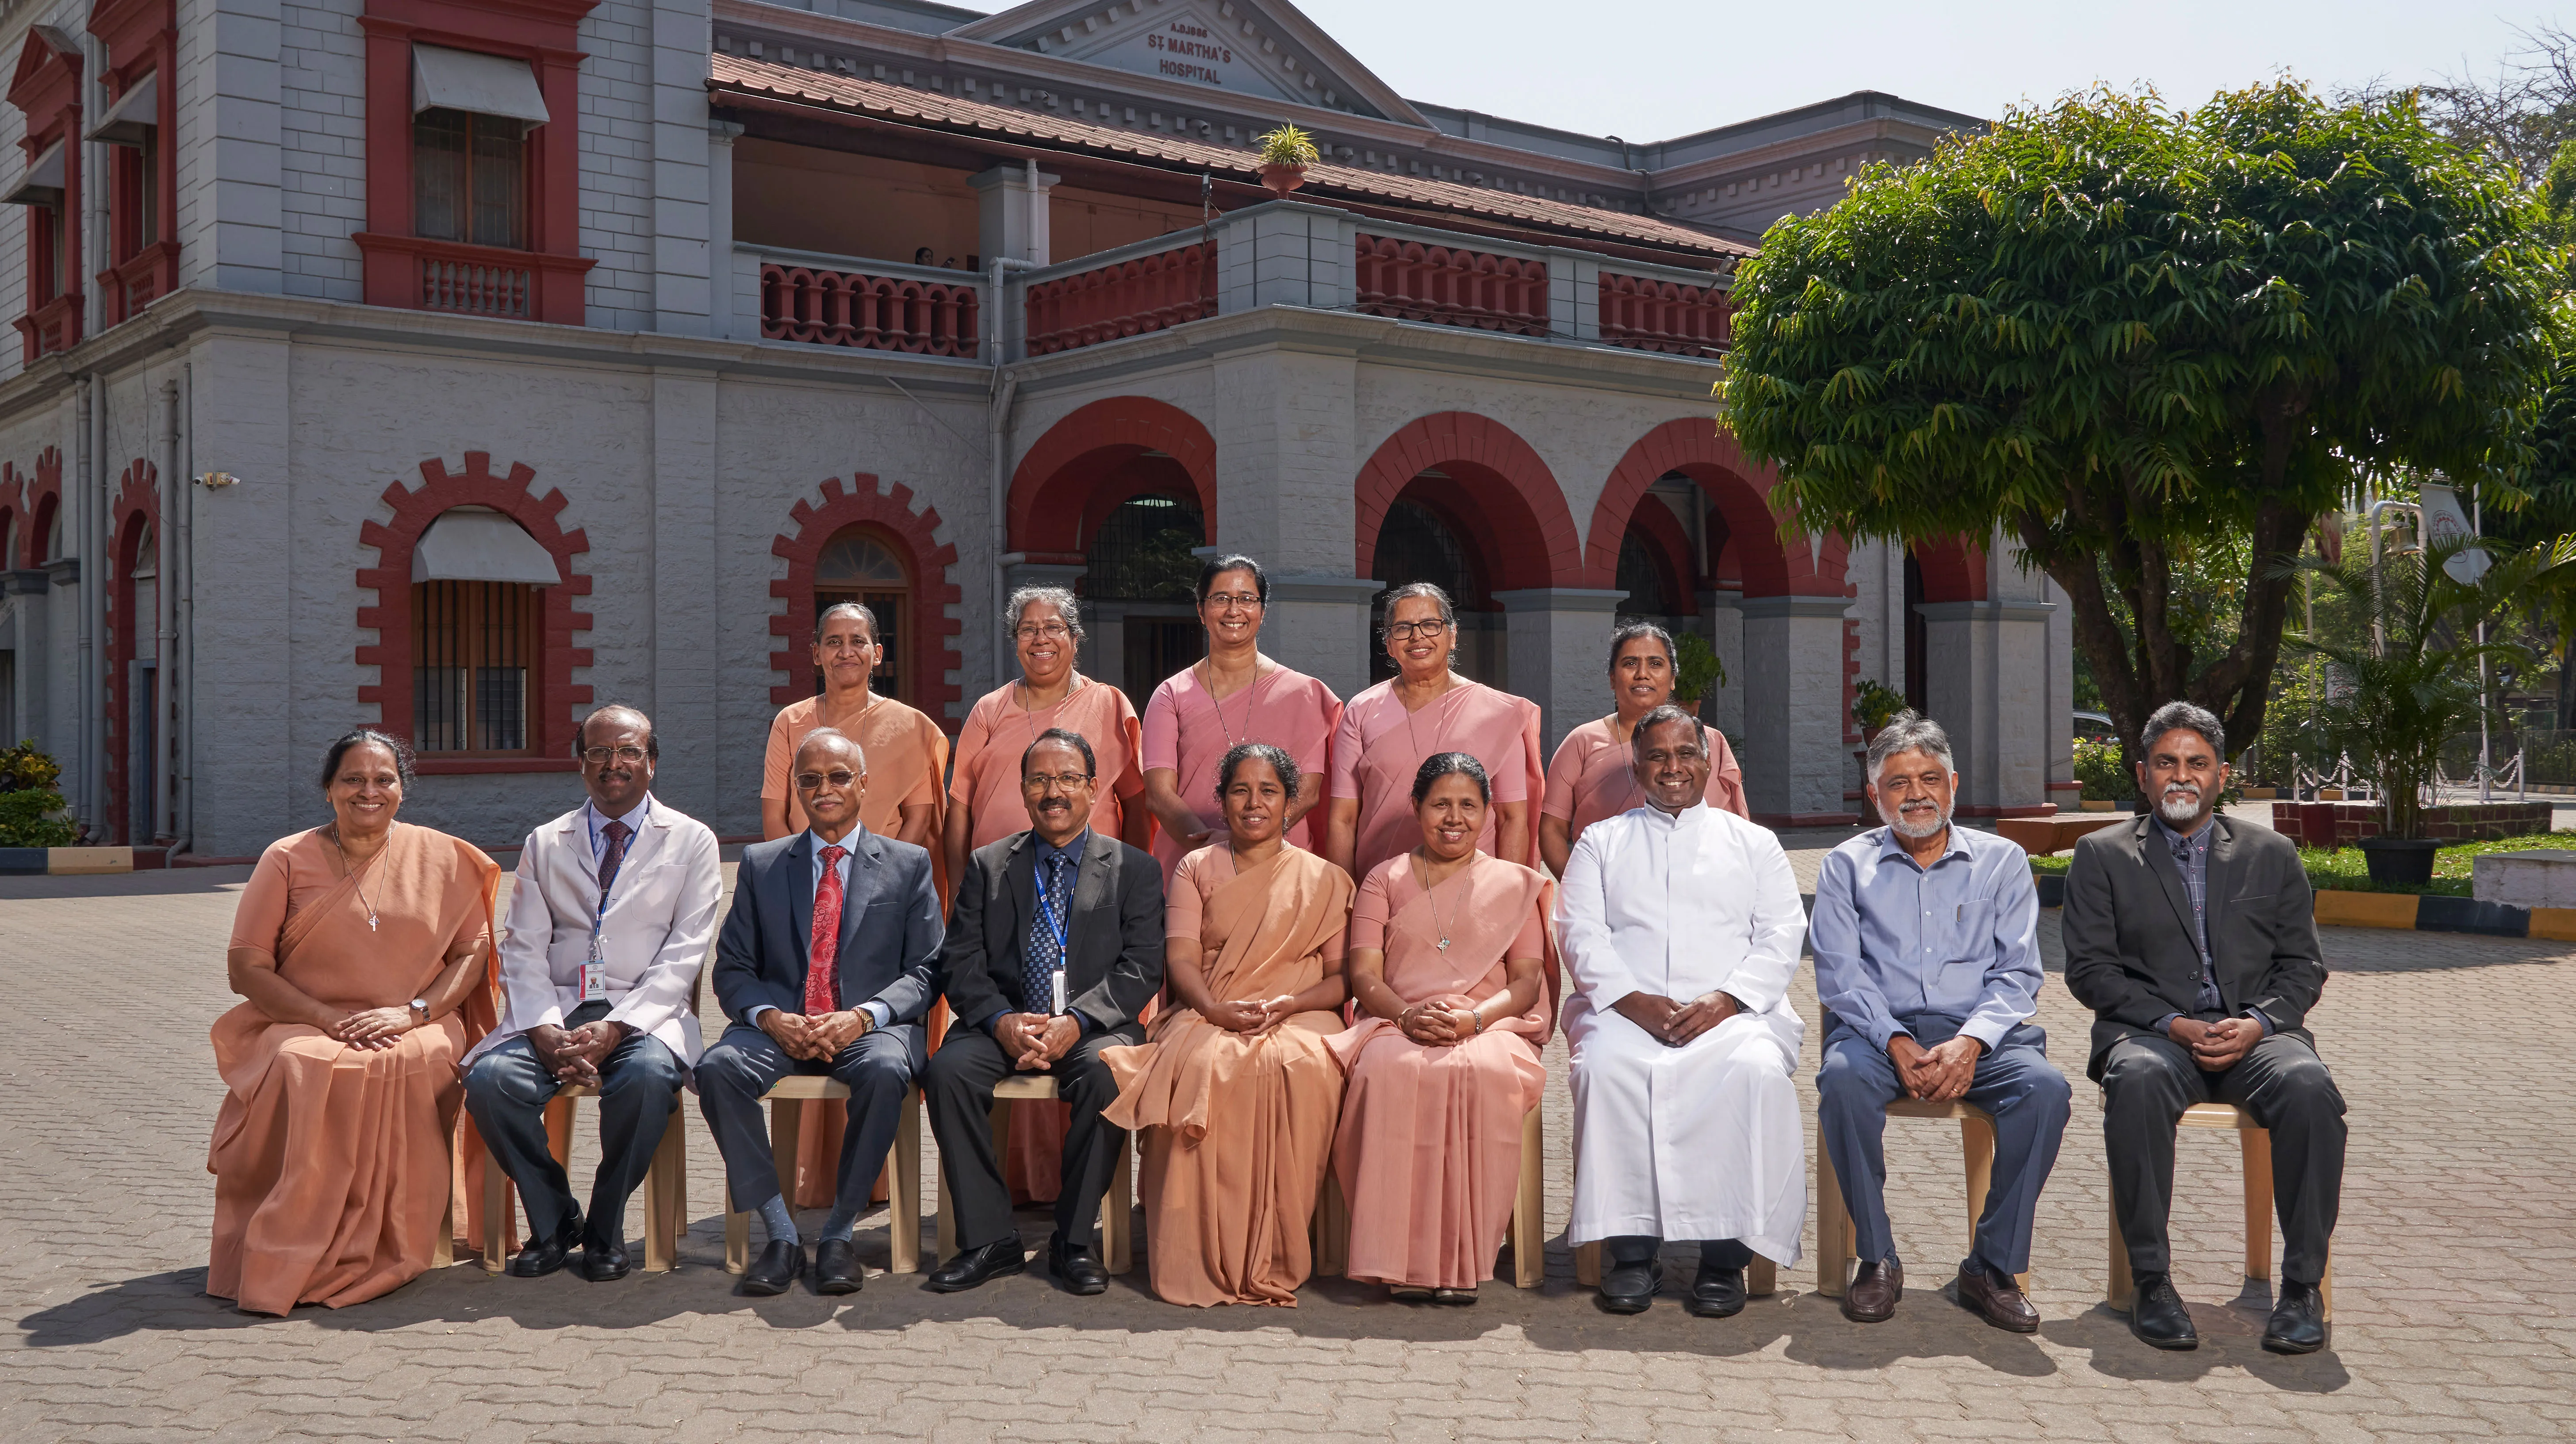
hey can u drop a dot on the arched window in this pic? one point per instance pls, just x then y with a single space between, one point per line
1141 566
475 633
1417 544
859 565
1641 576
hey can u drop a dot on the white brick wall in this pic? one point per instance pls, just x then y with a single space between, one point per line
617 163
322 74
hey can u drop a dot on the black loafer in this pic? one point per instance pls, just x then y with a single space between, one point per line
2158 1316
604 1263
780 1265
1076 1268
976 1267
1628 1288
2298 1323
1717 1293
543 1256
836 1267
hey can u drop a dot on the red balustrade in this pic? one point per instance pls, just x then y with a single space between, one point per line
1124 298
871 313
1665 316
473 288
1448 286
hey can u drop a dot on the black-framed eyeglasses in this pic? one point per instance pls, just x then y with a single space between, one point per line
838 777
1407 631
1037 781
599 756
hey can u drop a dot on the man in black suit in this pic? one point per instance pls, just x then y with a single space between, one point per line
1057 898
827 961
2193 939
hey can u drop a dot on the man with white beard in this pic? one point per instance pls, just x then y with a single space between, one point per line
1679 924
1927 964
2193 939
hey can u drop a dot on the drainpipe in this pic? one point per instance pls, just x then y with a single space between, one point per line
182 687
165 647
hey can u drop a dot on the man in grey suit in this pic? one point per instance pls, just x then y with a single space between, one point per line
826 964
2193 939
1057 900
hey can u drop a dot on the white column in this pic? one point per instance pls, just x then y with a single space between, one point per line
727 313
691 720
687 270
1988 665
1795 762
1319 624
1559 645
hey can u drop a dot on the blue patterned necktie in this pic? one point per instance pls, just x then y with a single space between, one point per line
1042 956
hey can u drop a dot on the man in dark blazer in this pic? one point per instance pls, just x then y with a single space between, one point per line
865 910
2193 939
1057 898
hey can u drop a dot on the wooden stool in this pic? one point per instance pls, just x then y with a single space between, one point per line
1833 1217
2256 1143
666 1186
786 1129
1117 1207
1761 1277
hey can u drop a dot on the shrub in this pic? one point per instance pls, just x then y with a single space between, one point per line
35 817
2097 766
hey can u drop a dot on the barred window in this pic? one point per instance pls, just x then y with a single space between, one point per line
473 647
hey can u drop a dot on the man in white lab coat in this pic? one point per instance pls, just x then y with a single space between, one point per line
611 912
1680 926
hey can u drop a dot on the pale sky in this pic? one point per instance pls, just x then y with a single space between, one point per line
1654 69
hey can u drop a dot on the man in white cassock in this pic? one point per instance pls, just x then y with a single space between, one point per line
1680 925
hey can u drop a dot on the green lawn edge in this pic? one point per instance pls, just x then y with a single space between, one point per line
2346 870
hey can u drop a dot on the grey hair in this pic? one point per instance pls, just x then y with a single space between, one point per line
859 610
1909 731
1410 590
1663 716
1059 598
2184 717
827 734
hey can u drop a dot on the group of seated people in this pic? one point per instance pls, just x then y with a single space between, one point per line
1281 941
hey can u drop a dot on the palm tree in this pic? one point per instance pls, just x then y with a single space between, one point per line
2417 686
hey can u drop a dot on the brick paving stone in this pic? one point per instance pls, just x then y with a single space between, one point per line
2455 1314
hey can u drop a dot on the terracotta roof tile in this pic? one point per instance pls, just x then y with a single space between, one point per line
931 109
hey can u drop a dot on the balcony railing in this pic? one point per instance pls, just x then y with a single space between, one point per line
473 288
461 280
1646 314
1412 280
871 312
1128 296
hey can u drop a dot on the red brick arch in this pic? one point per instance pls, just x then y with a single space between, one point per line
1953 570
136 508
31 498
1499 491
1740 488
934 632
551 720
1056 489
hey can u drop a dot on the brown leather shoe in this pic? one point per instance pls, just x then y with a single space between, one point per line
1998 1299
1874 1290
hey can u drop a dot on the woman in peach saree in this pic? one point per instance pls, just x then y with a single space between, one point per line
1447 946
1233 1095
363 950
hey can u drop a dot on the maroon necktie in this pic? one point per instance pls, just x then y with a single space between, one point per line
611 857
824 950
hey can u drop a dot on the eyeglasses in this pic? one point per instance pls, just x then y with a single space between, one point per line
1407 631
1044 632
808 781
1037 781
1223 600
598 756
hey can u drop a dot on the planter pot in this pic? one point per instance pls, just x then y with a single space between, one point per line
2261 794
1869 735
2089 805
1282 179
2400 859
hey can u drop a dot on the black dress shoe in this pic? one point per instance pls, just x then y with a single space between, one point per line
836 1267
1628 1288
976 1267
780 1265
543 1256
2298 1324
2157 1315
1718 1293
1077 1268
603 1263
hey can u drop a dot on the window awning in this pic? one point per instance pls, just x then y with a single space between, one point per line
470 80
44 183
136 111
477 544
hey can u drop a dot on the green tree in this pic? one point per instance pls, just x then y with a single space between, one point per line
2129 335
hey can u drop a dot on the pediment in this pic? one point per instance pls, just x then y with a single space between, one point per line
1267 50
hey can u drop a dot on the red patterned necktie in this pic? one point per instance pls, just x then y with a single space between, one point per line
821 978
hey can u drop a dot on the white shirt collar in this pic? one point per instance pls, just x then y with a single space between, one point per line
1684 820
598 822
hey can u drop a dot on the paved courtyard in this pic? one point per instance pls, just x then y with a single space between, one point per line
2455 1272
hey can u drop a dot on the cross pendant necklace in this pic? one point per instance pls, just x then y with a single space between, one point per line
352 871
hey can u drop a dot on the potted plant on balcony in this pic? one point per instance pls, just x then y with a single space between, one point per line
2418 686
1285 154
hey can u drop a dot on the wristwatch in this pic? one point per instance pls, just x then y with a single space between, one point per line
420 1006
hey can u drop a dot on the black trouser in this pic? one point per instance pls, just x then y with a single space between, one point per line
507 1091
959 1090
1628 1250
2146 1084
747 1063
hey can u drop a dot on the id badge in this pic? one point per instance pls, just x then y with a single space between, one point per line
594 982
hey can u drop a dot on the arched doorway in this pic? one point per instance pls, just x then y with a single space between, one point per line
1139 573
862 564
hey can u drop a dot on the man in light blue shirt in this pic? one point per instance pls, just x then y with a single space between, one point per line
1927 964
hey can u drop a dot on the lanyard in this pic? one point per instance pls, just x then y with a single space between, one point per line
1055 925
599 910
